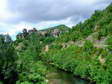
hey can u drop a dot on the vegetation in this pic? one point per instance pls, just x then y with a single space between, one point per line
7 61
90 60
84 50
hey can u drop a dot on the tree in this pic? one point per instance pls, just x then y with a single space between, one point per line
1 39
7 61
7 38
25 33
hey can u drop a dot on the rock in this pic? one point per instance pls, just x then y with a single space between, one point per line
44 33
64 45
102 60
56 33
34 30
25 33
46 48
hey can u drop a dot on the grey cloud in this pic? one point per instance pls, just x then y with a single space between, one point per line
53 10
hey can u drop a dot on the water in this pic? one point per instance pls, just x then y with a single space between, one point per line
56 76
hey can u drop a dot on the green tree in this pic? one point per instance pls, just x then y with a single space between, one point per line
7 61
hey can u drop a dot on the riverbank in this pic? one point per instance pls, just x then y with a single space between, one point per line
79 61
59 76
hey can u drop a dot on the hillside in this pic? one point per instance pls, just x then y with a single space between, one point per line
85 50
60 27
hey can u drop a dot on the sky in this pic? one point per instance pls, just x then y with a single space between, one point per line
18 14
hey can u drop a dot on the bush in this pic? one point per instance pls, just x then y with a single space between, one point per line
109 40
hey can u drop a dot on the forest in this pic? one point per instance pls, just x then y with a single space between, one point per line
85 51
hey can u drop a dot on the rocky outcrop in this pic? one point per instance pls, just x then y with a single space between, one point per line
34 30
56 33
44 33
23 34
26 32
50 32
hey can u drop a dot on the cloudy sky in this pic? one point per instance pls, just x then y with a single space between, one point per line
18 14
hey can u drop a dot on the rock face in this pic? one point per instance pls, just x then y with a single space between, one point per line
50 32
32 31
25 33
56 32
44 33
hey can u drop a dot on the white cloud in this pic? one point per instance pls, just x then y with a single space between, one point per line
45 13
3 10
5 14
46 24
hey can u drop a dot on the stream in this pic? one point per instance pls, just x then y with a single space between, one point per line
56 76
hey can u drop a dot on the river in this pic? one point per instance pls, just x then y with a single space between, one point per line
56 76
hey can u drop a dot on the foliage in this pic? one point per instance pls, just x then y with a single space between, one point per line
29 57
7 60
109 40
